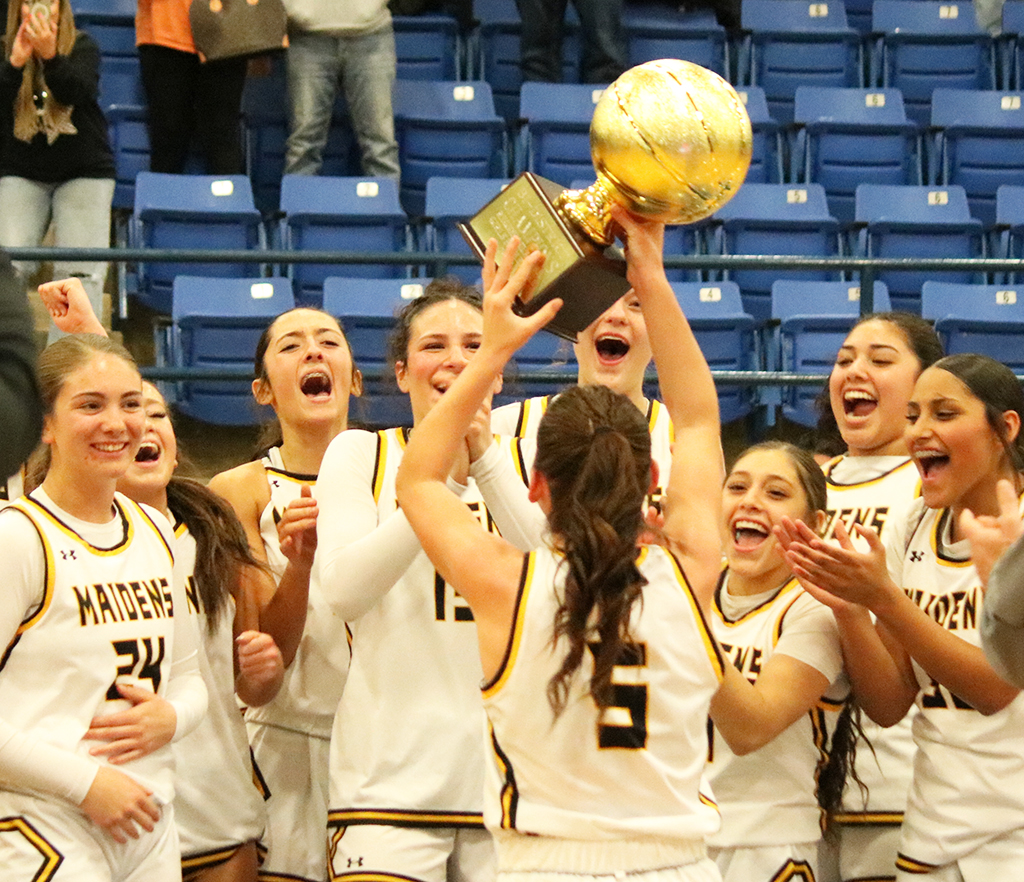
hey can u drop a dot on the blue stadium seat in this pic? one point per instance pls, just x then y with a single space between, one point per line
978 318
192 211
775 219
916 222
1010 226
120 81
111 23
1013 32
340 214
216 323
726 336
265 113
556 135
927 45
850 137
496 55
428 47
446 128
656 30
366 309
814 319
129 142
449 201
980 144
795 43
766 153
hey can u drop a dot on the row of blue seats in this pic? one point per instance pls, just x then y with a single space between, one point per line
359 214
909 45
215 323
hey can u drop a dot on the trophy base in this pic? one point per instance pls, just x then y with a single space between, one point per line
587 278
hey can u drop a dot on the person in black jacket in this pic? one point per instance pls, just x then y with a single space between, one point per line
19 396
55 159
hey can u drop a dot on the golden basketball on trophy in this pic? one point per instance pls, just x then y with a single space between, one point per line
670 141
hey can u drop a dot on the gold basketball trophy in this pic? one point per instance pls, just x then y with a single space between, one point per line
670 141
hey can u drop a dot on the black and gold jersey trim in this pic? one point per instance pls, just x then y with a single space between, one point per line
914 867
27 504
509 791
867 819
294 477
403 818
515 638
711 647
50 856
191 864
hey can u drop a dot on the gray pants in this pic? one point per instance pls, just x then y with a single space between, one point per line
80 212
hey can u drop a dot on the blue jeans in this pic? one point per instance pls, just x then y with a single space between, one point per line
604 41
80 211
365 67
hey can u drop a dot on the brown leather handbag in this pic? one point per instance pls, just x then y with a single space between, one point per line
238 28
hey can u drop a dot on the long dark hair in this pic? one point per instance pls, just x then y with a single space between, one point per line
222 549
440 290
594 449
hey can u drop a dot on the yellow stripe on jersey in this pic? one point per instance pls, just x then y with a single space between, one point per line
832 463
525 415
129 530
402 818
192 864
777 630
882 819
48 575
710 644
378 464
509 791
653 406
52 858
518 460
518 616
909 865
789 588
794 871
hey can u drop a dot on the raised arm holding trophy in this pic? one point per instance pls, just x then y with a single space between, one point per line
670 141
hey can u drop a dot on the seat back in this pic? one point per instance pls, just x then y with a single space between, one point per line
446 128
120 80
853 136
655 31
794 43
988 319
1013 31
340 214
449 201
980 144
427 47
367 309
216 324
556 134
726 336
209 212
111 23
1010 220
775 219
931 44
814 320
766 149
917 222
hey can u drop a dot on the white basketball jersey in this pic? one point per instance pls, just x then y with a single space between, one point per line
314 681
633 773
769 797
406 747
522 419
968 784
875 491
107 618
217 805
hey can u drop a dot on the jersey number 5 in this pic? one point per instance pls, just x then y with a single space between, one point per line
149 669
624 722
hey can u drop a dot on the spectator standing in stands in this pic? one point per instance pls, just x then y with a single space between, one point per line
185 96
351 44
55 159
604 41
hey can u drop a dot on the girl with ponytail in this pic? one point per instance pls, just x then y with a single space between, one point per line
598 665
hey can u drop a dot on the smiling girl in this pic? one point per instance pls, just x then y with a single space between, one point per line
874 483
304 371
773 716
965 813
98 645
407 759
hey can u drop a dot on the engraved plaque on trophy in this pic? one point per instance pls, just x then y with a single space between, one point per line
670 141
